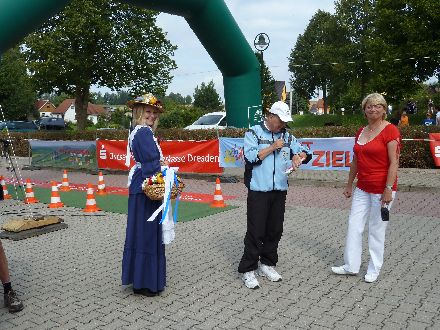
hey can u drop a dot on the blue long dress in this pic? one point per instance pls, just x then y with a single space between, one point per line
143 262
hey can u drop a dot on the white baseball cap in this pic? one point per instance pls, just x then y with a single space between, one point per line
282 110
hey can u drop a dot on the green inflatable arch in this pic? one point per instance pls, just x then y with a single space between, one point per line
210 20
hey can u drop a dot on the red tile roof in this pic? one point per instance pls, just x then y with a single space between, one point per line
40 103
92 109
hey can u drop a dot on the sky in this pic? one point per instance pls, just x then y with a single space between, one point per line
281 20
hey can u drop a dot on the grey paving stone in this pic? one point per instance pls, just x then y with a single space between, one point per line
76 271
326 320
417 325
303 321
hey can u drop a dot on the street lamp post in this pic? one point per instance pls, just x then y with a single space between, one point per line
261 42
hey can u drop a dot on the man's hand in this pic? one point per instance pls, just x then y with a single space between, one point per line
296 161
278 144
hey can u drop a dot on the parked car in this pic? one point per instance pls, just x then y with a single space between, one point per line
19 126
51 123
216 120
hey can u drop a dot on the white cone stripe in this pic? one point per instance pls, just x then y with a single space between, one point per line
90 202
218 197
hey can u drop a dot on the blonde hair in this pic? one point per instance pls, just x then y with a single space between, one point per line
138 112
375 98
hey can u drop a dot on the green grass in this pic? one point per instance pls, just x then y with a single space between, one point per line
118 203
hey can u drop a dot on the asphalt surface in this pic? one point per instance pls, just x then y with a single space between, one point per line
70 279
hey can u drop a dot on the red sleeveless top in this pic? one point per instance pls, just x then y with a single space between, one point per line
373 161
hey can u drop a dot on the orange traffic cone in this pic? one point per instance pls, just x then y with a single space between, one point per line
90 202
5 188
218 197
101 185
29 193
55 200
65 183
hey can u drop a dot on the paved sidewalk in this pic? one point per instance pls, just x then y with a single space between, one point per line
70 279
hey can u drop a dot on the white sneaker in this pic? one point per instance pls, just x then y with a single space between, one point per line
269 272
340 270
370 278
250 280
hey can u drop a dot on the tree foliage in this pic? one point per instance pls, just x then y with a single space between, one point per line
178 98
207 98
17 95
268 93
118 98
322 42
385 46
100 42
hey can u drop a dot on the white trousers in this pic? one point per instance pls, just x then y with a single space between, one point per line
365 206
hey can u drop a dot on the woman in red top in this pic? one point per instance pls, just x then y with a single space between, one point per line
375 163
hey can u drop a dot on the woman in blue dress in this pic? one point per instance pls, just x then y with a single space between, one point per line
143 262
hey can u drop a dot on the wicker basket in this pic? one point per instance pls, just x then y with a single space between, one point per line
157 191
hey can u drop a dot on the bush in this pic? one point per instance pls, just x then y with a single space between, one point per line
415 154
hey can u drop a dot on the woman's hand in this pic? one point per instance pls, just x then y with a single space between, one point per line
348 190
164 162
387 196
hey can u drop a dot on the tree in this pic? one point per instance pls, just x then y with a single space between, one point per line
207 98
100 42
178 98
410 43
268 94
310 62
299 103
17 95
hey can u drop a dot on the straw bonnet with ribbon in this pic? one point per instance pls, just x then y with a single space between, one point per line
148 99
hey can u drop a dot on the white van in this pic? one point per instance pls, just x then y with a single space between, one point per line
216 120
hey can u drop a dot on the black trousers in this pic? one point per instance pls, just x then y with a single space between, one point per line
265 216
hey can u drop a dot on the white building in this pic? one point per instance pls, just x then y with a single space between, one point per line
66 110
45 108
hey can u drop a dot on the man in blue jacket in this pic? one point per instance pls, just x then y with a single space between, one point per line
270 154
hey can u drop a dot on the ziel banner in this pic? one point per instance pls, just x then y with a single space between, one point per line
64 154
189 156
328 153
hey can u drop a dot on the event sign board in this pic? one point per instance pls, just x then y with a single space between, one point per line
111 154
189 156
328 153
64 154
435 147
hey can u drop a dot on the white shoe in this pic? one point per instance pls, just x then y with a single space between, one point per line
370 278
340 270
250 280
269 272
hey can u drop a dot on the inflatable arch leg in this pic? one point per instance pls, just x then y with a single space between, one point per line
210 20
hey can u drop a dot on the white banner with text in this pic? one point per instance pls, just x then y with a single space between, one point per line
328 153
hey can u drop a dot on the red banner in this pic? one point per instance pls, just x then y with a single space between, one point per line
189 156
111 154
435 147
192 156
